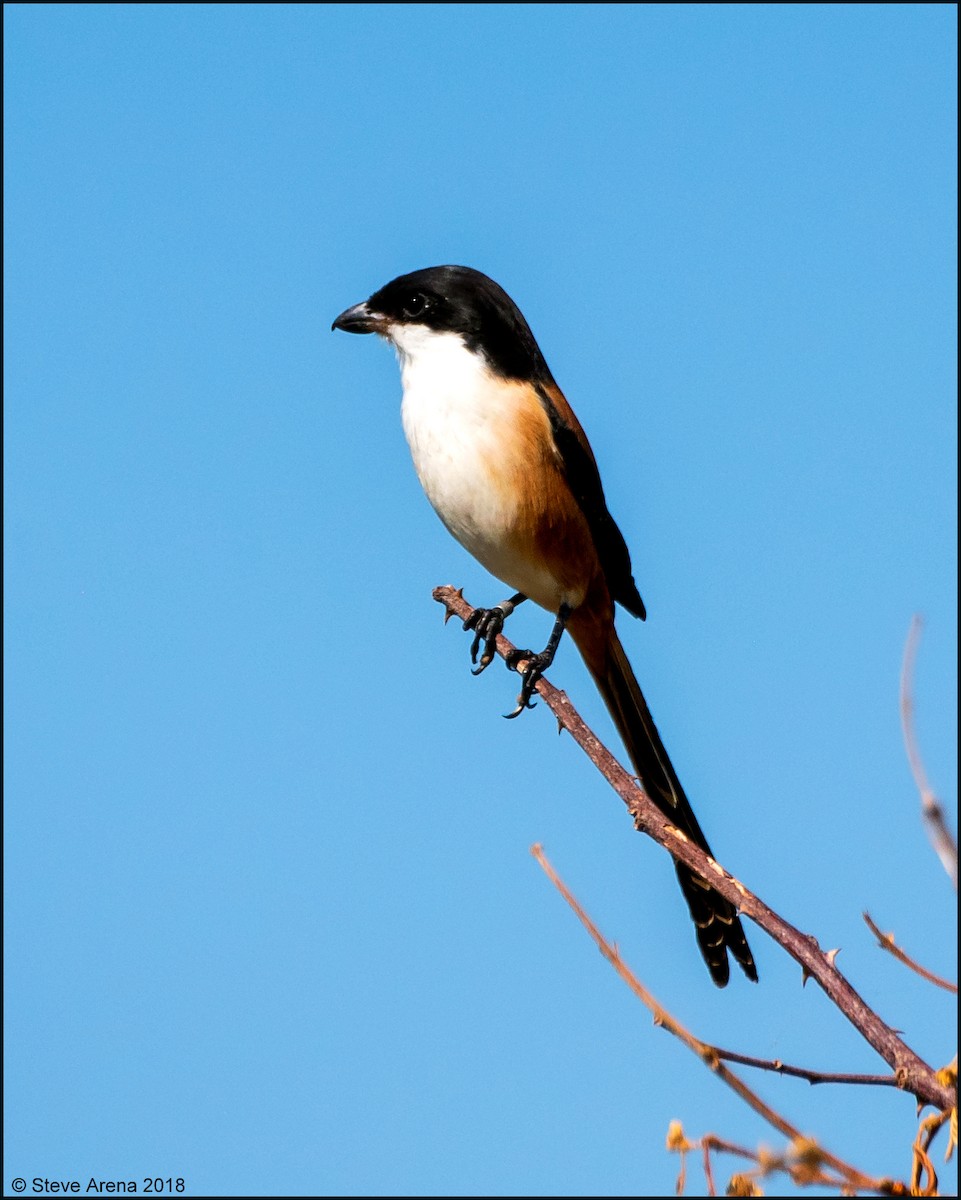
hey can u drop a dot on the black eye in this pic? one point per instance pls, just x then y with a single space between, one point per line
415 305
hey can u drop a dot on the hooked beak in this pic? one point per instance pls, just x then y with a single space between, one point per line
360 319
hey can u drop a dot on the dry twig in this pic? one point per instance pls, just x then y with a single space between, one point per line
886 942
780 1068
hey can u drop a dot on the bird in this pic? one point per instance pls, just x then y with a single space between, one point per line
507 467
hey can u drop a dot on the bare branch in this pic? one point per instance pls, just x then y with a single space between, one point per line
886 942
935 821
780 1068
802 1147
912 1073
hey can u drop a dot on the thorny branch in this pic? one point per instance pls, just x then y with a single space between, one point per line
911 1072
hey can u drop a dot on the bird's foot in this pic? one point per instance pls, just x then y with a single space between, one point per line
486 623
536 665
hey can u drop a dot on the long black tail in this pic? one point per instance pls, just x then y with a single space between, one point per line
717 925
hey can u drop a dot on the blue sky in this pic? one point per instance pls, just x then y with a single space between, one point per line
271 921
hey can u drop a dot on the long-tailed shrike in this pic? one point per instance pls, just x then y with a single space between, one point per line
510 472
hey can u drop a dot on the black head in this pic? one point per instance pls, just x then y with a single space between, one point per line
455 300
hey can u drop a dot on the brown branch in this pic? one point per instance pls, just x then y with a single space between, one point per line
780 1068
935 821
886 942
803 1147
912 1073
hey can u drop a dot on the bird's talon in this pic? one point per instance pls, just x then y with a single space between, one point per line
486 624
531 673
522 703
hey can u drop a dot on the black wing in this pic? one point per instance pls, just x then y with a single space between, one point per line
584 480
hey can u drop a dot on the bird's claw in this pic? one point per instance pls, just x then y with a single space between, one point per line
486 623
536 665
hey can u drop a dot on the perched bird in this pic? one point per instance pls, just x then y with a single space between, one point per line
510 472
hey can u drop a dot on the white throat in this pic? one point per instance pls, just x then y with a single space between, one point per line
435 362
445 410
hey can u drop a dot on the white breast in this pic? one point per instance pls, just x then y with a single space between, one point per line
458 419
452 414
